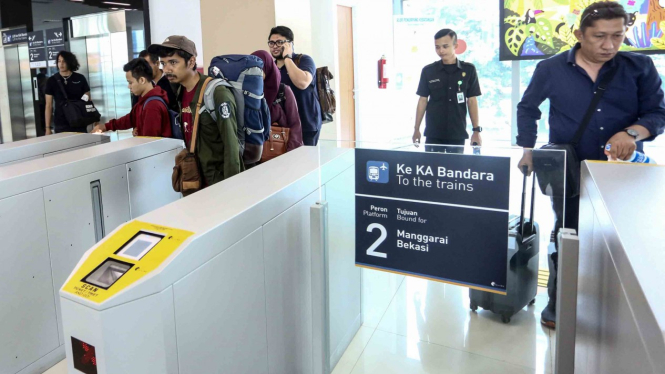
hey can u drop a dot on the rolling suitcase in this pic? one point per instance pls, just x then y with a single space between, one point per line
522 278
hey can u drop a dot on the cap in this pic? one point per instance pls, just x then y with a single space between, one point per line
174 42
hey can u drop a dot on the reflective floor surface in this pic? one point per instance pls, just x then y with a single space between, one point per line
414 326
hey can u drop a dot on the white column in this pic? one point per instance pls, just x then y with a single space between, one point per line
177 17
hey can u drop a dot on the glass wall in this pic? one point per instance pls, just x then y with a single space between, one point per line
477 24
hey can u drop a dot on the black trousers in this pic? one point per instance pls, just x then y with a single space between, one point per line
311 137
570 212
432 145
41 122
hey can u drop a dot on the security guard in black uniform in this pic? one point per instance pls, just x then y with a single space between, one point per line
446 88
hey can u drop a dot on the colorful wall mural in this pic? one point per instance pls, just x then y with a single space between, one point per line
537 29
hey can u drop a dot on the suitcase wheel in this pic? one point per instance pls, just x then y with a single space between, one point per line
532 302
474 307
505 318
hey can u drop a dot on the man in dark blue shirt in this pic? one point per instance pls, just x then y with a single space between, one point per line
299 72
631 110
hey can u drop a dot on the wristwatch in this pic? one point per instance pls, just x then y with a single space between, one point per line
478 129
632 133
288 56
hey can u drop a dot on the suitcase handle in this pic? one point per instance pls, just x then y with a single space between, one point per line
525 170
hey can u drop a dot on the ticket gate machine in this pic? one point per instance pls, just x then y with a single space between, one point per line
51 211
223 281
31 149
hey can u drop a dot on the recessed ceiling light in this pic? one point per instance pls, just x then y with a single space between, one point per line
113 3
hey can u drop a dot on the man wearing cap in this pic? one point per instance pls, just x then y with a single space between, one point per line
217 141
447 87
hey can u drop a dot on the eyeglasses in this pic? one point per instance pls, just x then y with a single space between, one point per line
597 13
278 43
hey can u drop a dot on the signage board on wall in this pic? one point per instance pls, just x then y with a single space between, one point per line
55 42
15 36
52 54
37 57
36 39
440 217
55 36
413 47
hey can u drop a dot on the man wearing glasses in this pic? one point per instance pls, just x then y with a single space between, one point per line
631 109
299 72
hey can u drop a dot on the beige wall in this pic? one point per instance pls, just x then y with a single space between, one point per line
235 27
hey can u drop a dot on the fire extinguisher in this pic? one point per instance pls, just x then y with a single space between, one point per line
383 73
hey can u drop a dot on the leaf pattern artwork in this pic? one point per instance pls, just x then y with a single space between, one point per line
552 25
659 42
530 48
515 37
566 35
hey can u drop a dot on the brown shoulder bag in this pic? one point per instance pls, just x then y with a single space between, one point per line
187 177
276 144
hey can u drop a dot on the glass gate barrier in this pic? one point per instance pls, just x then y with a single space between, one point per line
435 245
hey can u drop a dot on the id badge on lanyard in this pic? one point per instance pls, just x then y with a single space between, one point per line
460 94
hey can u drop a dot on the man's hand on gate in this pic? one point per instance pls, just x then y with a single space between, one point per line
98 129
527 160
416 138
622 146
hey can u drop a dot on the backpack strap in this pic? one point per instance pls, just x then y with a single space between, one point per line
198 114
598 95
62 87
209 100
153 98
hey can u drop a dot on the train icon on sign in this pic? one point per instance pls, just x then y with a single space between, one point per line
378 171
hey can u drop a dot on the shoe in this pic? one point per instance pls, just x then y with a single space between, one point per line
548 316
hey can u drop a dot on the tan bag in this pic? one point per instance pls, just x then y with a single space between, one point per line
187 176
276 143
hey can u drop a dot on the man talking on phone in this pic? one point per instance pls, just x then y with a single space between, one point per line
298 72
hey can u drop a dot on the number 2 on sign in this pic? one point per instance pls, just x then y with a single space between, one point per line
371 251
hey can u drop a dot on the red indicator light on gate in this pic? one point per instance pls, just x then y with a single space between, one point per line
83 354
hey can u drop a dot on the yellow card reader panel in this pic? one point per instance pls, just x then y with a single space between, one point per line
133 251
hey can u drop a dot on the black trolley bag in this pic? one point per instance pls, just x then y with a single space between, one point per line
522 278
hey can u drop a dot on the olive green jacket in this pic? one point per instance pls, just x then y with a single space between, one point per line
217 145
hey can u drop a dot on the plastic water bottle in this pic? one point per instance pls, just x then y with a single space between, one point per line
641 158
637 157
476 148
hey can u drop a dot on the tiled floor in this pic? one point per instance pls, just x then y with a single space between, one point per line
414 326
427 327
